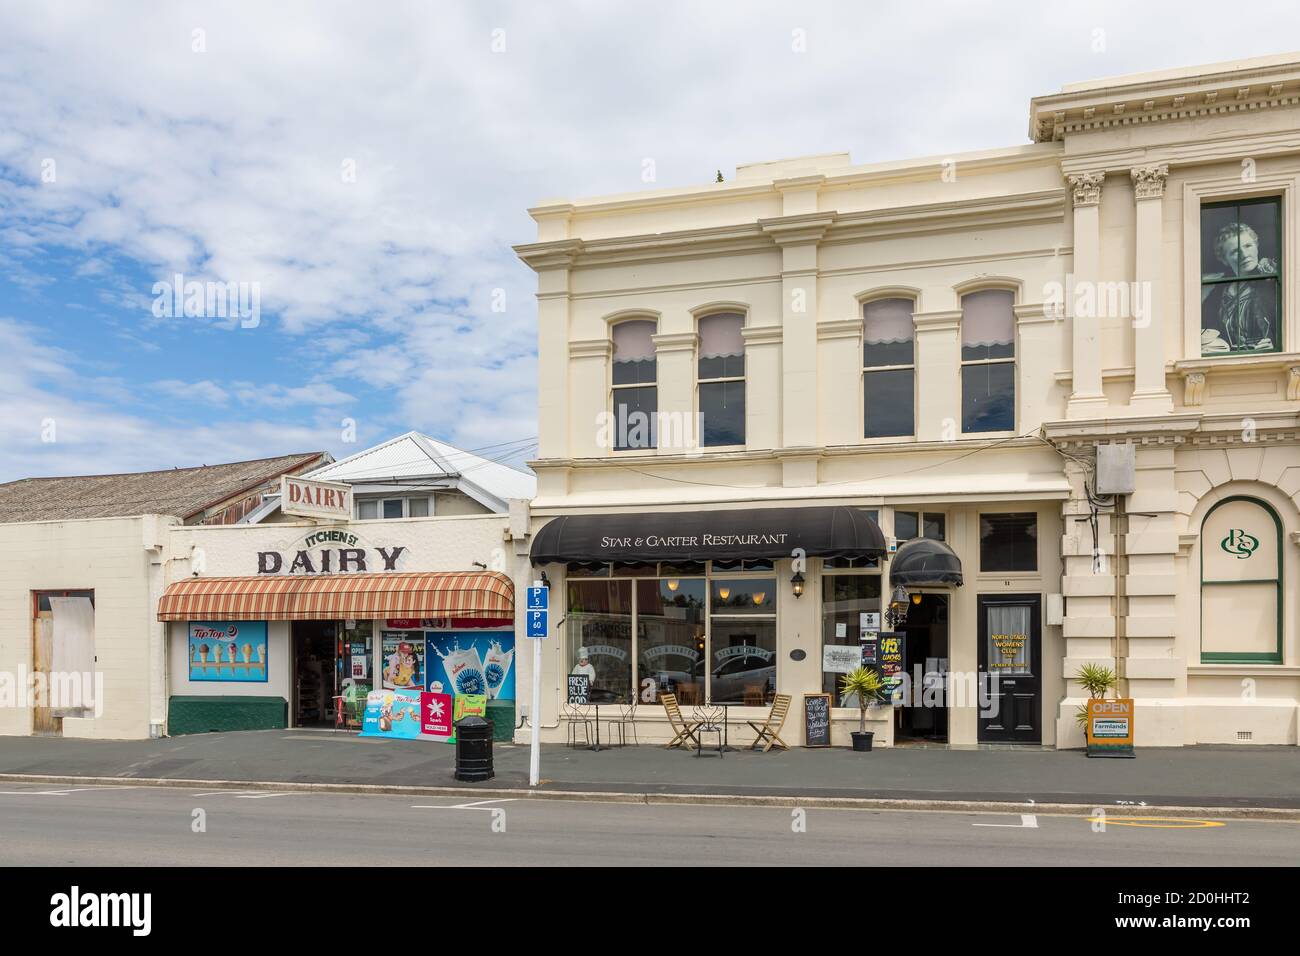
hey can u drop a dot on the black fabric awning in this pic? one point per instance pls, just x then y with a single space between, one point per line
924 561
829 532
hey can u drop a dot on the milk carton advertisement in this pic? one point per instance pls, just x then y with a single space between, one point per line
471 662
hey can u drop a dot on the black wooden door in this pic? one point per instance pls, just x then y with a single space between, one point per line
1010 661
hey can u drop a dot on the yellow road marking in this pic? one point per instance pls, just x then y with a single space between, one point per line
1157 823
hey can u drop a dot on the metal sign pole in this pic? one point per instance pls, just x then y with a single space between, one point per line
538 623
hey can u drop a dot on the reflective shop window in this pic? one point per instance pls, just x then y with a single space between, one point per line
845 597
599 637
670 638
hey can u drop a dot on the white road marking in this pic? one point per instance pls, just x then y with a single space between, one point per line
263 796
1028 821
476 805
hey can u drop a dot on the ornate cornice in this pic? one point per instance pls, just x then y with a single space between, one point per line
1086 187
795 230
1262 84
1149 181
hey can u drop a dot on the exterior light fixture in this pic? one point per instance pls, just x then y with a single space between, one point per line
796 584
760 596
674 584
916 598
899 598
724 593
546 582
896 613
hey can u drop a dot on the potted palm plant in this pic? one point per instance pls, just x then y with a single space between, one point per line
869 687
1096 680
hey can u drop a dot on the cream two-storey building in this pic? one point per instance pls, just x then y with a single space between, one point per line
1027 409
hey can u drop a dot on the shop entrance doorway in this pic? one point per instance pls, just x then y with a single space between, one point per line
1010 660
924 715
315 665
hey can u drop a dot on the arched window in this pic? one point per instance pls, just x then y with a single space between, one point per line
888 369
988 361
1241 583
634 379
721 371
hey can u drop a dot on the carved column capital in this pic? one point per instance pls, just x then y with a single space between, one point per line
1086 187
1149 181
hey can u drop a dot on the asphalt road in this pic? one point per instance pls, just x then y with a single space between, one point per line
123 826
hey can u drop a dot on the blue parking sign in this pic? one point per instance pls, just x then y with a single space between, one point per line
539 599
536 623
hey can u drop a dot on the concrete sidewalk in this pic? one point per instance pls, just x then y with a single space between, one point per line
1205 776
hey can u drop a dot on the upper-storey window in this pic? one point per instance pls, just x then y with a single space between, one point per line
1241 279
988 361
636 395
888 369
722 380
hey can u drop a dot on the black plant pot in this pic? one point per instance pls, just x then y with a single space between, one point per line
862 740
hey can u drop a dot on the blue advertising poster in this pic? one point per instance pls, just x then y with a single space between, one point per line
228 651
471 662
392 713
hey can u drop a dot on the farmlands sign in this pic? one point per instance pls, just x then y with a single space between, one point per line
332 551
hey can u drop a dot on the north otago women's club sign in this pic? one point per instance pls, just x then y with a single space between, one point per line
330 551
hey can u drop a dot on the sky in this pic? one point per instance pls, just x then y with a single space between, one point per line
365 169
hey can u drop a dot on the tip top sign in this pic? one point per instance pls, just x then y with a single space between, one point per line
315 499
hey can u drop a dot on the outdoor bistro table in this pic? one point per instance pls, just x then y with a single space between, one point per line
596 746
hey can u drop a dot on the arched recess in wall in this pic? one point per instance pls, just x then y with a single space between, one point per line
1241 582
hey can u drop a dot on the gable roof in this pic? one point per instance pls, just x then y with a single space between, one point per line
417 460
183 492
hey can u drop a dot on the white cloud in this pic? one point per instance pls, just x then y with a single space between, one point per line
228 164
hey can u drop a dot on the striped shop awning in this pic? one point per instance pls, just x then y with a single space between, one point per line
328 597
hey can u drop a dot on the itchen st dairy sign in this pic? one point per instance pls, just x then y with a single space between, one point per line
330 551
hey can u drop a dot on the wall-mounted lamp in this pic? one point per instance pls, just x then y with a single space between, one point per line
899 598
546 582
916 598
796 584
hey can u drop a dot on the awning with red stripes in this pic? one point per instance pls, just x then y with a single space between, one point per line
328 597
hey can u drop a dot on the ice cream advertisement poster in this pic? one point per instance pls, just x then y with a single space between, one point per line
392 713
403 663
471 662
228 651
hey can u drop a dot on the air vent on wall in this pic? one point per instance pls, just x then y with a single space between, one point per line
1244 734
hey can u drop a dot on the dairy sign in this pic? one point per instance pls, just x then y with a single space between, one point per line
315 499
331 551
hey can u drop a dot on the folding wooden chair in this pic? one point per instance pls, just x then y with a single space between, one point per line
683 732
770 729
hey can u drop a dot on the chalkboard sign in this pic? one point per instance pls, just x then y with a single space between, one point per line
891 656
579 689
817 720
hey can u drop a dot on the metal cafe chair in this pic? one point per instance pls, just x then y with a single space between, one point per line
708 720
576 716
626 718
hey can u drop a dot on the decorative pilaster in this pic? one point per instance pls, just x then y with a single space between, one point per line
1150 394
1087 399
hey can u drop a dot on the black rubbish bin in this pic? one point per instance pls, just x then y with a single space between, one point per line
474 750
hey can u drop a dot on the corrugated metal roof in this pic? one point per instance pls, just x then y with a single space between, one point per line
182 492
413 456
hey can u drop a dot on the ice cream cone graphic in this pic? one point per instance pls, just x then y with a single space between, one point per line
194 653
203 653
261 653
248 652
